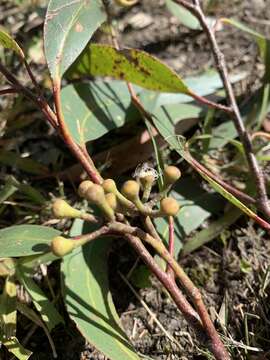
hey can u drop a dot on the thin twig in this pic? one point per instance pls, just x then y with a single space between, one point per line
73 146
217 346
169 270
256 171
43 105
8 91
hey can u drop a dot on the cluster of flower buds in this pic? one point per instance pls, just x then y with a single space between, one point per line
111 201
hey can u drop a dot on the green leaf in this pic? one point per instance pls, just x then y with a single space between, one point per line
204 84
16 348
141 277
262 41
178 143
88 299
212 231
183 15
92 109
8 190
8 313
196 206
8 43
131 65
68 27
23 240
47 310
10 158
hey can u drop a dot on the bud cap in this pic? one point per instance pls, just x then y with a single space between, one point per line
169 206
61 246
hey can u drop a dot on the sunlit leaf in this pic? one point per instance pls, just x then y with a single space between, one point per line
185 16
8 312
47 310
89 301
23 240
8 42
16 348
131 65
68 27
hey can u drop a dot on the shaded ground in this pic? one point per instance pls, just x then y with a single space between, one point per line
233 272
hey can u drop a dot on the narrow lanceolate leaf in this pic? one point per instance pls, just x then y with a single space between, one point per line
185 16
131 65
69 25
212 231
47 310
261 40
178 143
8 312
8 43
23 240
89 301
14 347
92 109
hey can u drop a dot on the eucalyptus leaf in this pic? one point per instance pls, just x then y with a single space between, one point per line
8 312
68 27
92 109
8 42
14 347
88 299
132 65
24 240
185 16
212 231
47 310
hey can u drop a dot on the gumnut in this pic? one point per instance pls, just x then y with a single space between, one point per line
131 189
96 195
171 174
169 206
109 186
61 246
112 201
83 187
61 209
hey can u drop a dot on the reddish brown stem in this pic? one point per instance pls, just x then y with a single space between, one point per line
169 270
8 91
255 170
235 192
188 312
217 346
75 148
41 103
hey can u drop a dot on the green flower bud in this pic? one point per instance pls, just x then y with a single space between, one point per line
95 195
109 186
171 174
61 246
112 201
83 187
61 209
169 206
130 190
